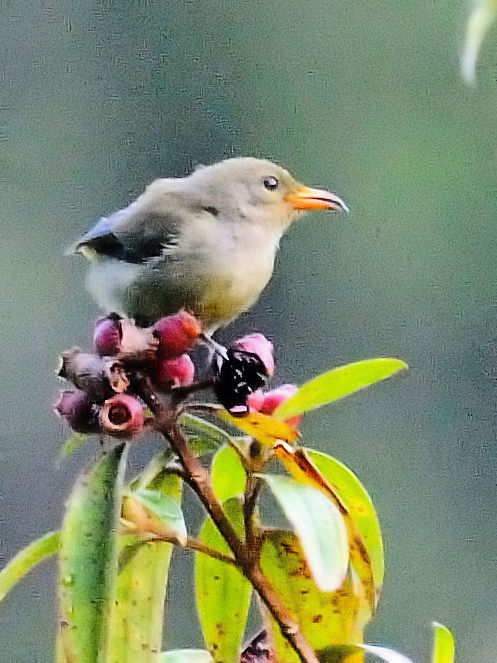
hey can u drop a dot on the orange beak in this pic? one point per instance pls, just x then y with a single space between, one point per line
306 198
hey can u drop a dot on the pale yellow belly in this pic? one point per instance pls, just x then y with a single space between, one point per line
231 292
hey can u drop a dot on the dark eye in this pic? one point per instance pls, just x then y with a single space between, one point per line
271 183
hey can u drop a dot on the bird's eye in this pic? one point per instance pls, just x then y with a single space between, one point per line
271 183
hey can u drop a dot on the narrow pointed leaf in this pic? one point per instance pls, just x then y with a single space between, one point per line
443 644
212 435
167 511
26 559
223 593
137 619
336 384
359 505
319 526
263 428
155 466
300 466
228 475
186 656
70 445
324 617
137 616
88 558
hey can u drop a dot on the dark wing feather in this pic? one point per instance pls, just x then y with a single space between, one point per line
132 237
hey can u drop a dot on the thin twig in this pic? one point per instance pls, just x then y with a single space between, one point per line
190 544
198 546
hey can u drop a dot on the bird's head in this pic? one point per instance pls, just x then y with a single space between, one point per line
259 190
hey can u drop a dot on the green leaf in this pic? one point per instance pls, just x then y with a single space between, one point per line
228 475
156 466
137 619
335 654
319 526
336 384
88 558
70 445
359 505
167 510
27 559
186 656
212 436
479 23
324 617
223 593
443 644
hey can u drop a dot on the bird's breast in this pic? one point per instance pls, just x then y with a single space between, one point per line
234 278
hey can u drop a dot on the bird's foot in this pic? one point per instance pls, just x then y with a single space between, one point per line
214 346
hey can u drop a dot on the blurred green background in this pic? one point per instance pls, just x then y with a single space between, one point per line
99 98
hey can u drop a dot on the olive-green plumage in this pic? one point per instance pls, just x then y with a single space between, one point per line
205 242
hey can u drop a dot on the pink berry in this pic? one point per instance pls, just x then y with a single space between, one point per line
107 336
255 400
119 336
170 373
259 345
122 416
78 410
274 398
177 334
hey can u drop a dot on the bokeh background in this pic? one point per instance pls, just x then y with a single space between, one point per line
101 97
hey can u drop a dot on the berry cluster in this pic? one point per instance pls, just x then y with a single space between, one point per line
105 399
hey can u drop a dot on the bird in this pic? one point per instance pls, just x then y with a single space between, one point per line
205 242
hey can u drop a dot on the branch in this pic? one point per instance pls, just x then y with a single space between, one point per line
199 480
258 458
252 490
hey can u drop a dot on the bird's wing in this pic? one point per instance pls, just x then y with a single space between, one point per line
135 234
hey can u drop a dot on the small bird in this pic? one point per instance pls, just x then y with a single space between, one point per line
206 242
